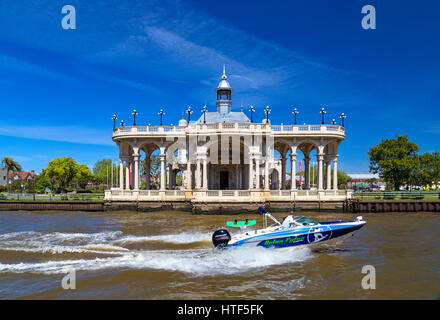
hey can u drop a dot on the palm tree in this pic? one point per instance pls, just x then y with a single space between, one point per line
10 165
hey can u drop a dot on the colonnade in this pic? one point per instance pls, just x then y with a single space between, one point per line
258 167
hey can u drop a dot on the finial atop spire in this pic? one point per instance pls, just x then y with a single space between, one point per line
224 77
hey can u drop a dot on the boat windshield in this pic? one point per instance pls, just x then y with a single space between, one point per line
304 221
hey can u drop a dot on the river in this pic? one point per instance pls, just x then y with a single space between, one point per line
169 255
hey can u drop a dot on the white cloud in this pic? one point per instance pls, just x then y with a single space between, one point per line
73 134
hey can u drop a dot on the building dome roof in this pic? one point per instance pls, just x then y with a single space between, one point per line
182 121
224 84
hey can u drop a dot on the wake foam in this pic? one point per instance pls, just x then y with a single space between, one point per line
184 237
196 262
111 245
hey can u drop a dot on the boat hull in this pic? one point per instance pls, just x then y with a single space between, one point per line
326 233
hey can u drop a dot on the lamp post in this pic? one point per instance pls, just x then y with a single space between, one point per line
323 112
295 112
252 110
342 116
267 111
114 121
134 114
204 113
122 123
333 121
189 111
161 113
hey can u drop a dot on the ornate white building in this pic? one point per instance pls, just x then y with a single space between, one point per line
224 157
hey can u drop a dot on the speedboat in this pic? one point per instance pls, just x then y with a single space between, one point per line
302 232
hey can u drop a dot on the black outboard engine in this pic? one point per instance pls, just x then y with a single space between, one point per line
220 238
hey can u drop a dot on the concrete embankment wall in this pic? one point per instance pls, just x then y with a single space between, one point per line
225 207
395 206
55 205
195 207
230 208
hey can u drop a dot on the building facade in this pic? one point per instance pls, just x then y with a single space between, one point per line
3 176
223 156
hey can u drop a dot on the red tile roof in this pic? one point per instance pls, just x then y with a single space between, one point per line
22 175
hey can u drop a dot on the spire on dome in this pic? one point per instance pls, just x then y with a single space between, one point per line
224 84
224 77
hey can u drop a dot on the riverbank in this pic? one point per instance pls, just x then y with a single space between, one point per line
189 206
349 206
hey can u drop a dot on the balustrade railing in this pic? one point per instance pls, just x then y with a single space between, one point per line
230 126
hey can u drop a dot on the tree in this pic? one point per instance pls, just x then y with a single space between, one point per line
343 178
102 170
61 172
394 160
10 165
154 170
83 175
42 182
428 171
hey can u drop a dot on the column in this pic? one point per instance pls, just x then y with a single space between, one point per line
283 173
237 178
257 173
198 174
266 174
335 173
293 171
307 173
329 175
251 173
121 174
170 177
188 175
136 171
205 173
320 158
147 173
127 175
162 171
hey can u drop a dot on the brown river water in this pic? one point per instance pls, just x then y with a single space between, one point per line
169 255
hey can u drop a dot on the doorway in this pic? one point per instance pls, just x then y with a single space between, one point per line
224 180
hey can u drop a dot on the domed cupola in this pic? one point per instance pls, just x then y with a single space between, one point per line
224 91
182 121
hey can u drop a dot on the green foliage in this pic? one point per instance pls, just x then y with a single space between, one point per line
102 170
343 177
83 175
42 182
394 160
10 164
154 169
428 171
61 172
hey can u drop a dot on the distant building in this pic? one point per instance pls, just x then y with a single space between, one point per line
21 175
3 177
362 180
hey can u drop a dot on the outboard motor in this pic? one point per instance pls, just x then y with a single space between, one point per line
220 238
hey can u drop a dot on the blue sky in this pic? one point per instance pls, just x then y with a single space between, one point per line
59 88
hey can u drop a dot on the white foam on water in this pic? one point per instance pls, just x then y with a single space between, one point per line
59 243
58 249
196 262
59 237
184 237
